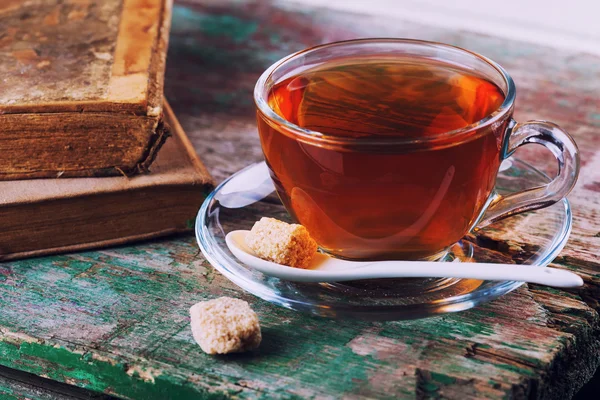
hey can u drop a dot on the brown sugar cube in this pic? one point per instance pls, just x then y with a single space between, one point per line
277 241
225 325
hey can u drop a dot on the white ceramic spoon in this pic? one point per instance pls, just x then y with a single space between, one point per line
324 268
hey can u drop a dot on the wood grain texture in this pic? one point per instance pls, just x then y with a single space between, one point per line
116 320
19 385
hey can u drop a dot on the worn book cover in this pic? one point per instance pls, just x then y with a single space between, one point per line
81 87
48 216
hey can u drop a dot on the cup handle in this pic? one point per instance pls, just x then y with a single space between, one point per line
562 145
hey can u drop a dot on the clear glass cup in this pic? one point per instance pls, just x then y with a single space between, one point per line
338 221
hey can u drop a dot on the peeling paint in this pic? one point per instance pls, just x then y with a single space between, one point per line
146 373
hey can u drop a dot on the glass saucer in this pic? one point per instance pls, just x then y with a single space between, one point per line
532 239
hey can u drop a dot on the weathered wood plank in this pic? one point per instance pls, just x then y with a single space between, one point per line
116 320
18 385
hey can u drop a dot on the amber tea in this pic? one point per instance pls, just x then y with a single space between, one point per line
396 202
385 97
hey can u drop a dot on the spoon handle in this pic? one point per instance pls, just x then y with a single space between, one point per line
326 269
492 272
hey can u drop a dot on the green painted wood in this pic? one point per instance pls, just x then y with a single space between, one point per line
116 320
19 385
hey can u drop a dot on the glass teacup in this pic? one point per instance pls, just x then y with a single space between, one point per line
397 190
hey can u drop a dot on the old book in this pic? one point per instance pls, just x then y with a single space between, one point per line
81 87
48 216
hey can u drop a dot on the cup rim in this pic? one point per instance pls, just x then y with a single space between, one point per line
321 138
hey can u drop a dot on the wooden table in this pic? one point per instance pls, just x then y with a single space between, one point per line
116 320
